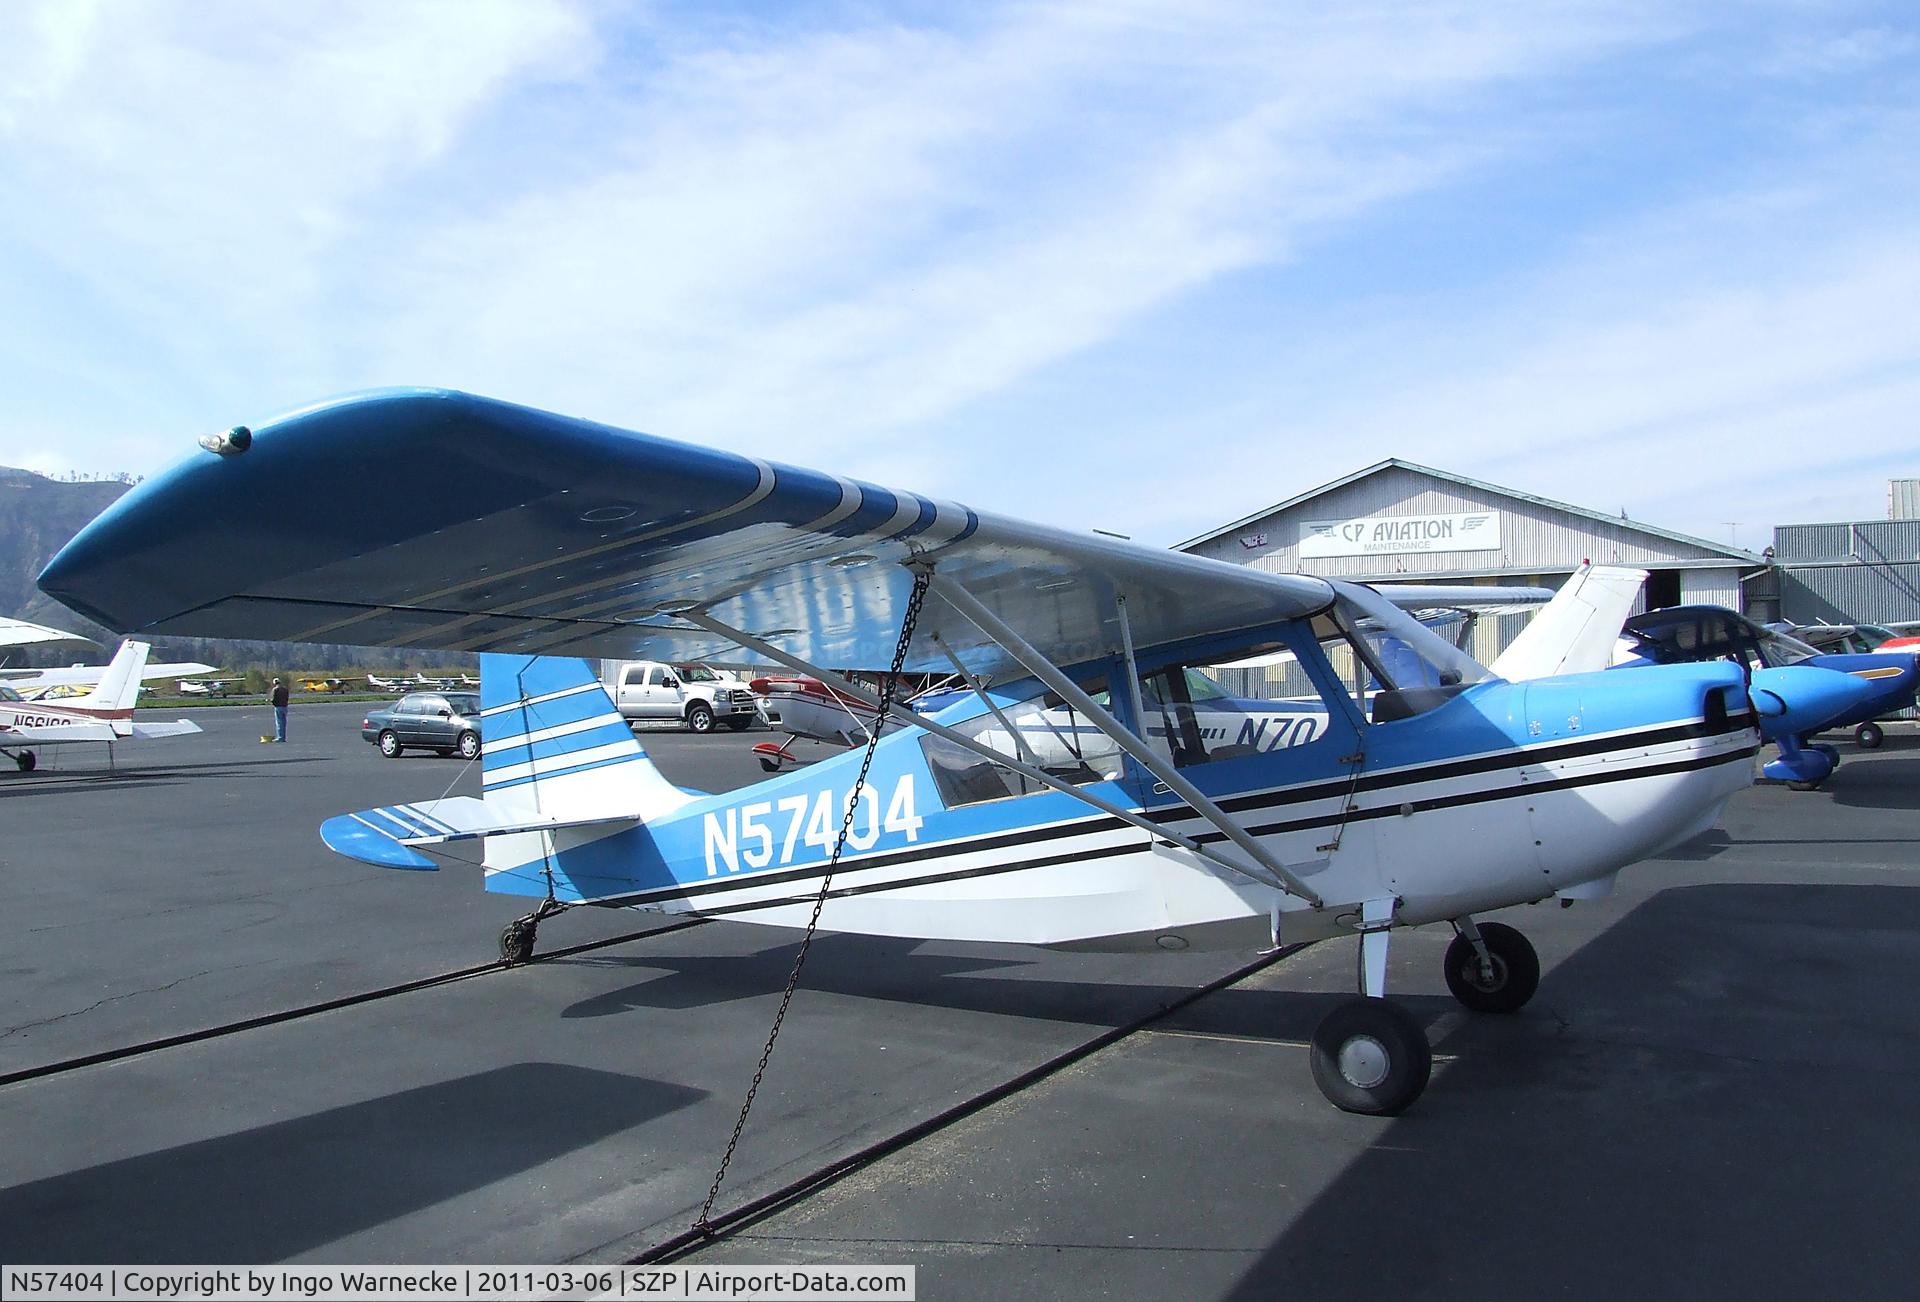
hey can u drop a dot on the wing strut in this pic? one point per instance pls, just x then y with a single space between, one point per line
900 714
1049 673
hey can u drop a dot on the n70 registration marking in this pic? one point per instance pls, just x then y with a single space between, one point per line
760 833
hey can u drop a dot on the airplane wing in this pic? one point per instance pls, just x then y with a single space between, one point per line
87 675
553 536
20 633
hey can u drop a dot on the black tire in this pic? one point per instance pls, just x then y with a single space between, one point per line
700 717
1370 1056
1869 736
1804 786
389 744
517 940
469 746
1516 970
27 761
770 765
740 724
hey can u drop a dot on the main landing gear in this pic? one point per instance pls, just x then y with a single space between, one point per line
1371 1056
26 761
517 937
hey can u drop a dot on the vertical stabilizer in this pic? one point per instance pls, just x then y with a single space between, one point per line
556 747
1575 632
113 697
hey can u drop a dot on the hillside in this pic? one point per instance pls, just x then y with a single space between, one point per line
37 517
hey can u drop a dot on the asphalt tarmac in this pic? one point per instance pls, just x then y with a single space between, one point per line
1712 1095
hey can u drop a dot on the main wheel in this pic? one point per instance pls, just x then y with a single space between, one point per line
390 744
469 746
1515 976
1370 1056
1869 735
700 717
1804 786
516 942
27 761
740 723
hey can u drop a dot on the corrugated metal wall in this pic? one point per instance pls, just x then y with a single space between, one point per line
1851 594
1884 541
1903 499
1533 536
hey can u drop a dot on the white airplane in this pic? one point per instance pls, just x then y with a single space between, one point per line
104 715
379 684
211 686
1433 792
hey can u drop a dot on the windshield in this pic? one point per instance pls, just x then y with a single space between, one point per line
697 674
1405 653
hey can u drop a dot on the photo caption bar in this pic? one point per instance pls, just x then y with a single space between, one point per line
698 1283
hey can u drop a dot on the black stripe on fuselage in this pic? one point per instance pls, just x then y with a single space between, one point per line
945 849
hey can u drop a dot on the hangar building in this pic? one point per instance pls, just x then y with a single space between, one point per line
1396 521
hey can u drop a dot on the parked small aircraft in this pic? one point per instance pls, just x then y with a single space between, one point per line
212 686
1796 691
104 715
325 686
1434 793
379 684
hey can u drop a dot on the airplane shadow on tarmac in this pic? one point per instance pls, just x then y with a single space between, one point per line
57 782
1711 1099
269 1193
858 967
1883 784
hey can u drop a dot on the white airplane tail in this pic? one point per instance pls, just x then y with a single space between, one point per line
1575 632
555 755
113 697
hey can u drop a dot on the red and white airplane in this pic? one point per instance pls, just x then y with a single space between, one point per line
104 715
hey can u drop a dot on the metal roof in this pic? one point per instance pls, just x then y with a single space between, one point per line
1480 485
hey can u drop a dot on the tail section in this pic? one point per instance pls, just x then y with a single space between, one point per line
1575 632
556 746
112 698
559 768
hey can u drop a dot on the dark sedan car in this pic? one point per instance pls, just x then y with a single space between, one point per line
447 723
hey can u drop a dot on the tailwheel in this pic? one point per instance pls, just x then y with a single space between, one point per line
516 941
517 937
1371 1056
1503 979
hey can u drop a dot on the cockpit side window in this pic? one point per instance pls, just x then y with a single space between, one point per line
1236 702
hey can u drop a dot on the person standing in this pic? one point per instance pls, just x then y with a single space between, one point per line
279 710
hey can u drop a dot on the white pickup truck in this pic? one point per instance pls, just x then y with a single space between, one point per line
699 694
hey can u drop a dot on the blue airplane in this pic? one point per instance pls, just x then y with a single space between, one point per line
1094 789
1797 692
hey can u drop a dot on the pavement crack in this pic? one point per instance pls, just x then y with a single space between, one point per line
111 999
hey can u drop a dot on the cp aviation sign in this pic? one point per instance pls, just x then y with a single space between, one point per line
1389 534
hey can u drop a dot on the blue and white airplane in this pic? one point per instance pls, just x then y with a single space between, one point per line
1083 794
1796 691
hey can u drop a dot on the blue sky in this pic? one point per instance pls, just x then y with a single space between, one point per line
1136 266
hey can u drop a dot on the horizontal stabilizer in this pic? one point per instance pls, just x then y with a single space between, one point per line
55 734
386 837
178 728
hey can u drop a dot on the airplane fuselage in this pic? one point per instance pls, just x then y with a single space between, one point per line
1503 794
